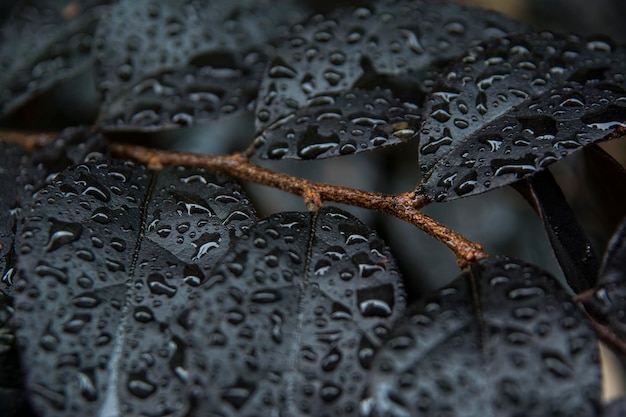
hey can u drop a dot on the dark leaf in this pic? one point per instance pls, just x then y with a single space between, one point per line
73 146
515 105
569 241
289 321
502 340
22 173
13 402
108 255
43 43
351 80
166 64
10 159
606 180
616 408
608 302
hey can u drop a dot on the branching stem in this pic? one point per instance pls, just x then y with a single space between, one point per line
405 206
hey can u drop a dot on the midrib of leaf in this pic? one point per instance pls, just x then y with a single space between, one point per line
293 354
111 404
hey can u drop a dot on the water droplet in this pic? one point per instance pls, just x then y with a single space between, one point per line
331 360
157 284
376 301
102 215
76 323
330 392
143 314
265 296
139 386
61 233
205 243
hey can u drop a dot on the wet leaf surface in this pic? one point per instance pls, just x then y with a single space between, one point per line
44 43
108 255
10 159
503 339
23 172
569 241
166 64
515 105
289 321
352 80
608 302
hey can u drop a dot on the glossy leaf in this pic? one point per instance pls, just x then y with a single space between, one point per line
608 302
352 80
43 43
23 172
108 255
515 105
502 340
169 64
289 321
569 241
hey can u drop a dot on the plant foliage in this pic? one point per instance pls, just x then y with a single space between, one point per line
156 291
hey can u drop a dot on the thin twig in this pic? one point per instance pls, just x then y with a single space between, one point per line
607 335
405 206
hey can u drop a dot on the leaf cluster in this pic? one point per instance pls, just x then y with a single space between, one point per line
138 281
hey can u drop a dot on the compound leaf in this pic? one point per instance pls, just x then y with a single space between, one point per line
165 64
502 340
289 321
514 105
43 43
108 254
352 80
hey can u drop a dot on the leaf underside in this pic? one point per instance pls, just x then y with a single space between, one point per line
315 100
108 254
569 241
290 319
514 105
520 348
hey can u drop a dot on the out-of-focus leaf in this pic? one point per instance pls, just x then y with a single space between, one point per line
168 64
43 43
108 255
607 183
289 321
570 243
10 159
608 303
616 408
352 80
514 105
503 340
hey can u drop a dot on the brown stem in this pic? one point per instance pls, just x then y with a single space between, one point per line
607 335
405 206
